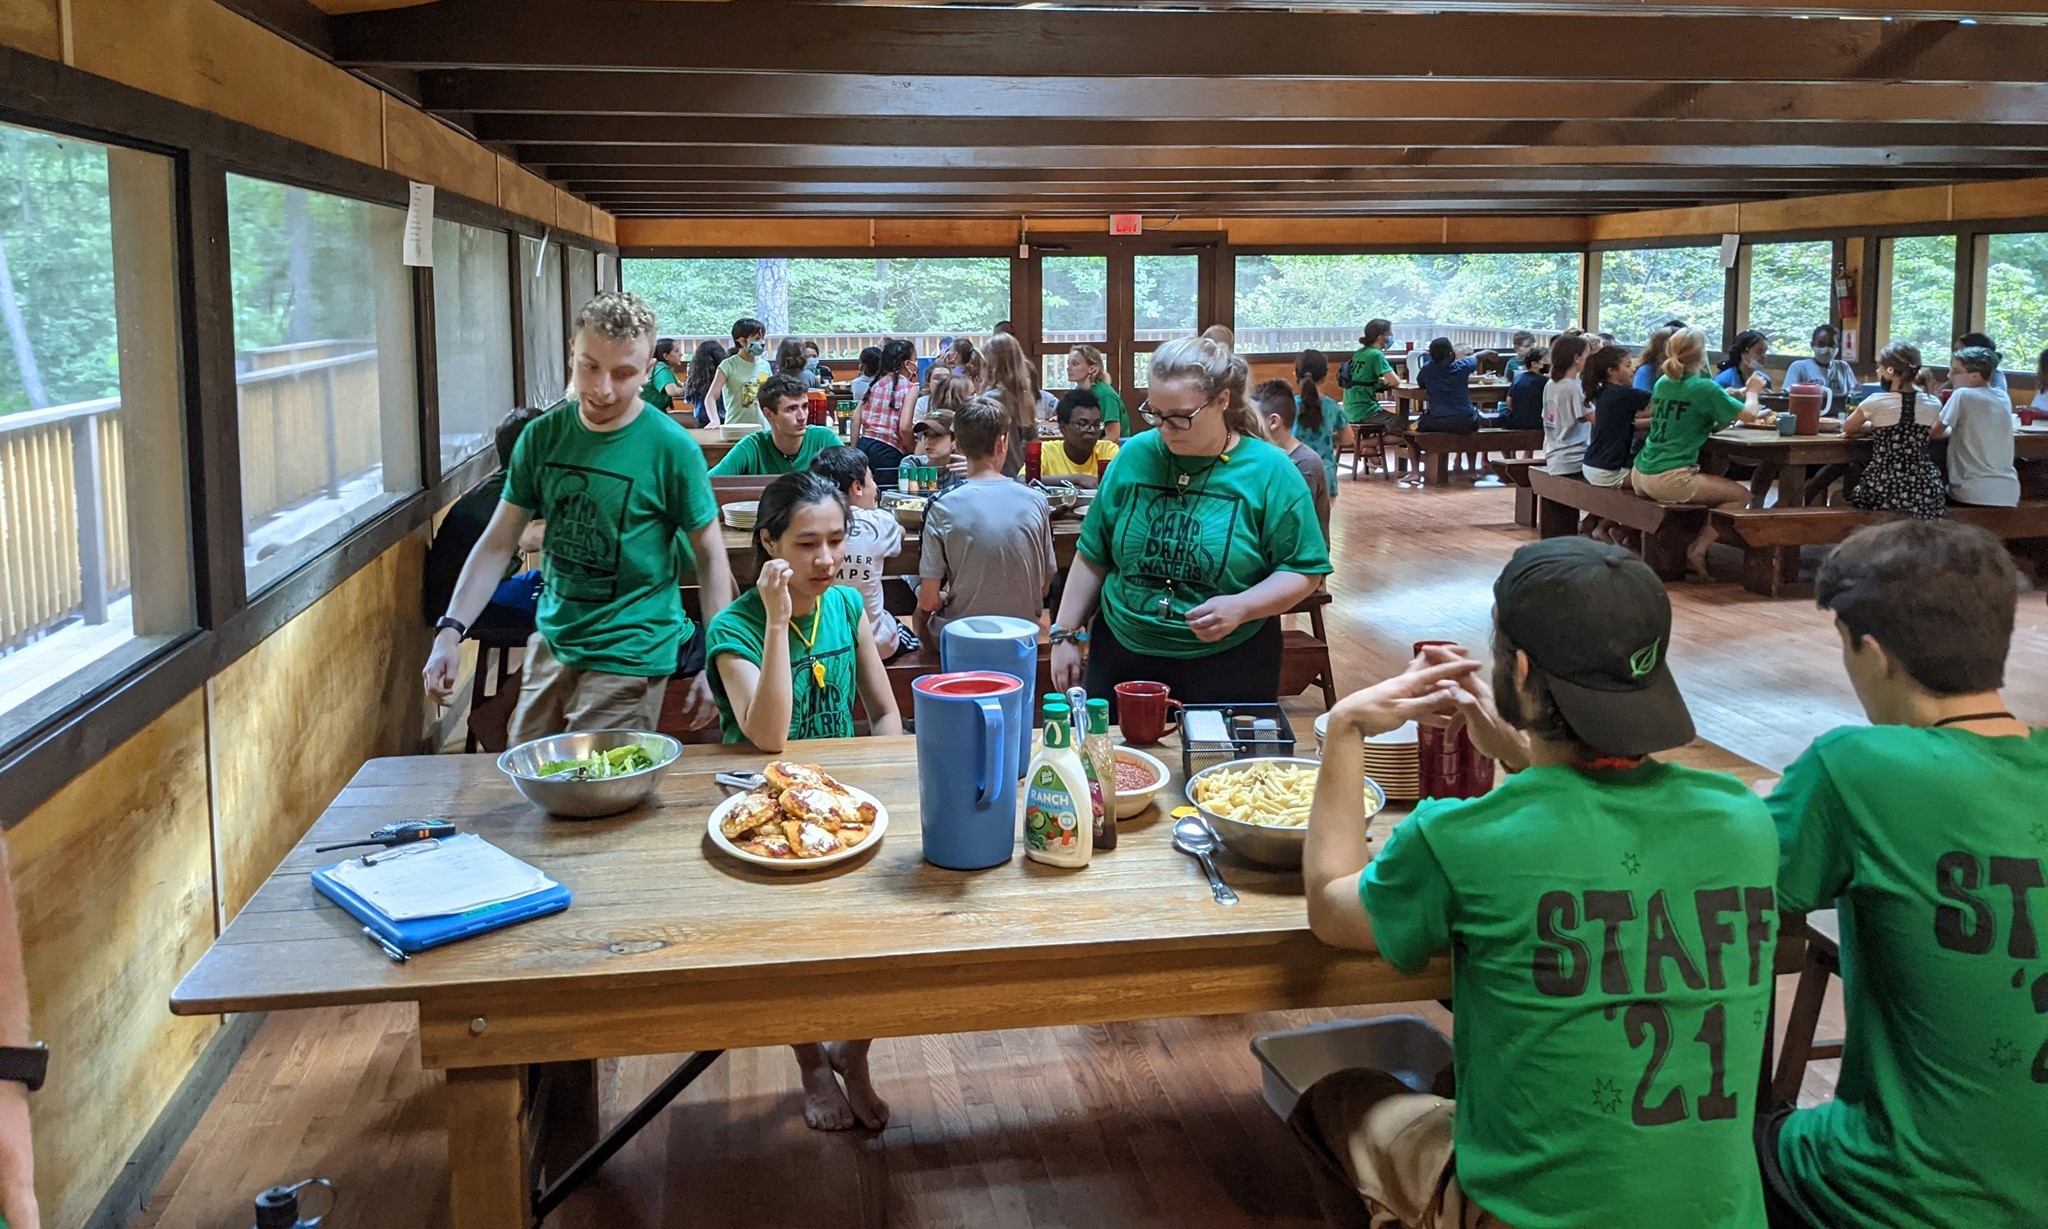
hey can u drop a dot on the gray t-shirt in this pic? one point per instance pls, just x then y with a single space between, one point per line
1310 463
1980 466
988 542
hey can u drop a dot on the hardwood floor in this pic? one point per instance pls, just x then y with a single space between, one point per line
1141 1124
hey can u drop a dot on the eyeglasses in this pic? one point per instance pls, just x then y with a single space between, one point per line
1154 417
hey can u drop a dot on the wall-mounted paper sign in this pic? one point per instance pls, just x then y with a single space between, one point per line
1730 245
419 226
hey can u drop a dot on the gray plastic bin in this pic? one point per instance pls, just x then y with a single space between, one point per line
1408 1048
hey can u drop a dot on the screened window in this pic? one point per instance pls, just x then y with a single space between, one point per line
1789 287
472 336
582 279
2016 297
324 368
540 313
1290 303
1923 304
95 553
1643 289
843 305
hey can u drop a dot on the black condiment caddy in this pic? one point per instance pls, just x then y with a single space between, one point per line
1246 733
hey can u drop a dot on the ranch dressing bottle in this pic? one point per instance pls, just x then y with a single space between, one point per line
1058 812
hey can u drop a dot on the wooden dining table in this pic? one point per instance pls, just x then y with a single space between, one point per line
1789 461
1413 398
673 946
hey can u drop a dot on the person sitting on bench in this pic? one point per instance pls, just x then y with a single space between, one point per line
1612 918
1447 380
1687 406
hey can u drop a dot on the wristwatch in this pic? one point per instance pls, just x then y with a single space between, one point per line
446 623
26 1065
1061 635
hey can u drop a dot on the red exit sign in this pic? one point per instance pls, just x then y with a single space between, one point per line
1126 223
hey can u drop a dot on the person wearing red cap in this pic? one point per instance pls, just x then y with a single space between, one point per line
1610 918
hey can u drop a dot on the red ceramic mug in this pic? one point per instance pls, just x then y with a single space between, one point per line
1141 711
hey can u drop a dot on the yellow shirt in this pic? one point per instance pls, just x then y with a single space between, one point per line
1053 462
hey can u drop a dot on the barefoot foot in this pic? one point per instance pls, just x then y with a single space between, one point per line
850 1060
825 1107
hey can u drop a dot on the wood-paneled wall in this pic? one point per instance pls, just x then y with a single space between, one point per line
114 878
199 53
124 877
291 721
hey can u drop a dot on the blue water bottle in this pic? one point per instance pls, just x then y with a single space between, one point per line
966 789
1006 646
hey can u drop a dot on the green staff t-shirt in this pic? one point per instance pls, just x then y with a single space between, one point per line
614 502
655 391
1361 396
816 710
1933 845
1612 937
759 454
1683 413
1168 546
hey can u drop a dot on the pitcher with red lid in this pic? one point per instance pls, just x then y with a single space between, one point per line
966 776
1809 402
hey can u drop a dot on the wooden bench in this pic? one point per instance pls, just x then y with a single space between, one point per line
1666 528
1515 472
1432 450
1763 533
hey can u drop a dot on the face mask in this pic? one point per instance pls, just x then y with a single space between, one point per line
757 348
1823 355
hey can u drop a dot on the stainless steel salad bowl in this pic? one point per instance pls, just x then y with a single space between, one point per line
573 797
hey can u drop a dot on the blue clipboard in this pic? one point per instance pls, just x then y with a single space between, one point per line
401 940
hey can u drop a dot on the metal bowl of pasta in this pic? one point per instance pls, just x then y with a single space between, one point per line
1259 807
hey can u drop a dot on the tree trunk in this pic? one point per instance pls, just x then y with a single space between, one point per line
298 243
17 333
771 295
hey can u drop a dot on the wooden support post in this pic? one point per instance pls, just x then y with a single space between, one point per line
490 1183
86 490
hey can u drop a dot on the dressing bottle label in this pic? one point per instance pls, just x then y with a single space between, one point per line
1052 819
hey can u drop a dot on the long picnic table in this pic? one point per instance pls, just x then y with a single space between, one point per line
1790 461
746 566
671 946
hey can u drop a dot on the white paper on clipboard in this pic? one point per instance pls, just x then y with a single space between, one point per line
455 875
419 226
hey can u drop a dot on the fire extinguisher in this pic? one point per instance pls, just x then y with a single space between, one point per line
1845 292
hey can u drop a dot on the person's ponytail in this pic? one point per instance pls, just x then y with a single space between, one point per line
1310 369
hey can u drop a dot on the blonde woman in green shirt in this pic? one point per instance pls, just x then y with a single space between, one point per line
1088 369
1687 406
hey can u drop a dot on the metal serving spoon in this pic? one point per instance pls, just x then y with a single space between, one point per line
1193 837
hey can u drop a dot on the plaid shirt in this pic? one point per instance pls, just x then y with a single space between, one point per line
881 412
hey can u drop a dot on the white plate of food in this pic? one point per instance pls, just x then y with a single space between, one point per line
800 819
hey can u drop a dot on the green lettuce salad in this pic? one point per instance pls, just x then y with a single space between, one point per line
598 765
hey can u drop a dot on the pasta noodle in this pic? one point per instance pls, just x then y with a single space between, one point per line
1271 795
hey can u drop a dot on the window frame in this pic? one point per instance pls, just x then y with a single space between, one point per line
204 149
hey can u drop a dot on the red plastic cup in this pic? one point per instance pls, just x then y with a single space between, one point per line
1141 712
1451 766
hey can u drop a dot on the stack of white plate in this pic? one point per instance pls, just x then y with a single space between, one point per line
1390 759
741 515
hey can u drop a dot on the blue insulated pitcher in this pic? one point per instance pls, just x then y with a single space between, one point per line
966 790
1006 646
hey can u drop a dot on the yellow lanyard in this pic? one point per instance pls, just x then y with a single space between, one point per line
811 643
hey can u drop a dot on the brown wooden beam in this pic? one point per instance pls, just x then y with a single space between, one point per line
925 138
1492 207
703 107
1954 160
2016 12
1307 189
690 175
775 37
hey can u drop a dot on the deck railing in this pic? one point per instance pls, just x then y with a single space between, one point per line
843 349
309 422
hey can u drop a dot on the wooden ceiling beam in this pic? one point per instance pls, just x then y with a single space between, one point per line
2016 12
706 105
691 165
777 37
1245 179
685 177
1453 144
1489 206
923 134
